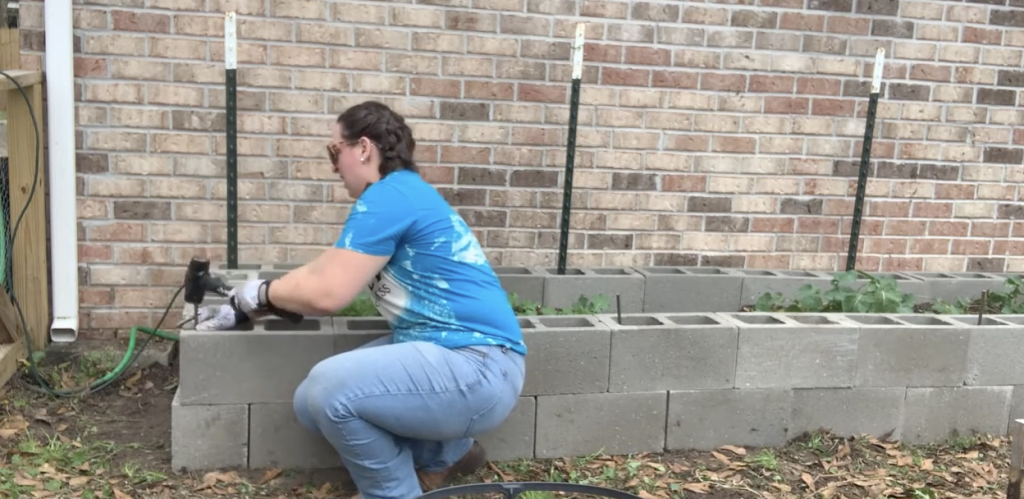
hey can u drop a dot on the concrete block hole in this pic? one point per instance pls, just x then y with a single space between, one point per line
923 320
972 320
1013 319
760 319
813 320
692 320
367 325
560 322
641 320
971 275
283 325
936 275
872 320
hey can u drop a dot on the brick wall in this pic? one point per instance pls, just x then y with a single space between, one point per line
724 132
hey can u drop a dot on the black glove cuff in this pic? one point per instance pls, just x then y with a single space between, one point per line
264 294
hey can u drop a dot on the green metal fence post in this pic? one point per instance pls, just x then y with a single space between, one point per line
570 153
230 99
865 160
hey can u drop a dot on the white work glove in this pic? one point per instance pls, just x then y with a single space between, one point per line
217 318
251 298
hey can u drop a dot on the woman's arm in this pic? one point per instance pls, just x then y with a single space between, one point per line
327 284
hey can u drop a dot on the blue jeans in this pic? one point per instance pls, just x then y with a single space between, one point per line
390 409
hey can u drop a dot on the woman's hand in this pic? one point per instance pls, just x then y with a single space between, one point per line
251 298
218 318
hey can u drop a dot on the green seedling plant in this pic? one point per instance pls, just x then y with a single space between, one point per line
582 306
1010 301
878 295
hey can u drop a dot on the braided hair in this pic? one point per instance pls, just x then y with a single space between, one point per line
386 128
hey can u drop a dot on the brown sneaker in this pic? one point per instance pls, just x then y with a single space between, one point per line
472 461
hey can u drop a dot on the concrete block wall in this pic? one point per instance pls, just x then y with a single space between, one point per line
645 382
717 289
688 289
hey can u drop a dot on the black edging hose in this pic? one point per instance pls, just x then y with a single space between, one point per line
130 354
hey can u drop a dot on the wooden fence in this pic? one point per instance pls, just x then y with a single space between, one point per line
29 250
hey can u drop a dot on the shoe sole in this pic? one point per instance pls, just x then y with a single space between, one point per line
465 467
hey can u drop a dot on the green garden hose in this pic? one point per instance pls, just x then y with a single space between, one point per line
127 359
130 355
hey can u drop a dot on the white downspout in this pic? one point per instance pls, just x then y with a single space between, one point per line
60 95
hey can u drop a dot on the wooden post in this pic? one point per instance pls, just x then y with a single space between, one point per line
27 185
1015 489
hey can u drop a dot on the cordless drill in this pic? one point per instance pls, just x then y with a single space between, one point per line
199 281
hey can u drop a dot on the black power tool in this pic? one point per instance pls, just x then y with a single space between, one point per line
199 281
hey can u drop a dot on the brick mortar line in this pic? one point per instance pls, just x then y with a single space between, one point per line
697 71
864 59
691 113
838 122
211 41
389 7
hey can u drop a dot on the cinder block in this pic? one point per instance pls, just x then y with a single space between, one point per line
933 414
271 274
794 350
757 282
568 354
526 282
910 350
690 289
612 423
264 364
243 267
277 440
562 291
354 332
848 412
515 438
706 419
205 437
276 270
651 352
994 350
950 286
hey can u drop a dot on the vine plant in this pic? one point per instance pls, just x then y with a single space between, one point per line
879 295
882 295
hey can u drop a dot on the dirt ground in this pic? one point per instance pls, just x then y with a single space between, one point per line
116 443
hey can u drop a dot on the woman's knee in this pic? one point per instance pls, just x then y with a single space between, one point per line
300 404
327 386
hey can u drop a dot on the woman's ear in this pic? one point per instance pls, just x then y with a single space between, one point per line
367 149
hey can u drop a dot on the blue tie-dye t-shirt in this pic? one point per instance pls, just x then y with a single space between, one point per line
438 285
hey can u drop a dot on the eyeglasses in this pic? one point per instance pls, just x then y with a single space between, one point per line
332 153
